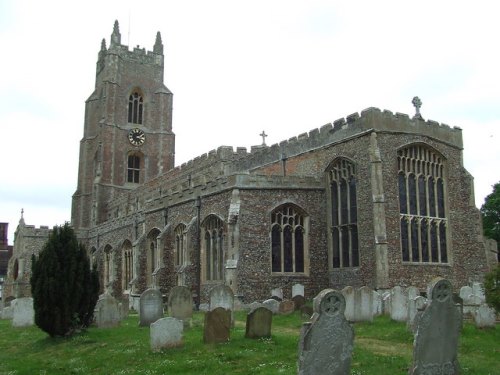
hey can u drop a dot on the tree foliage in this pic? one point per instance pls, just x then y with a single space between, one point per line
490 211
492 288
64 289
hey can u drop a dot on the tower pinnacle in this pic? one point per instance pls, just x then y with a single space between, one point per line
116 38
158 47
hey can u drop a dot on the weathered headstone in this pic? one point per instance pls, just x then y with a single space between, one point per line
286 307
377 304
297 290
222 296
326 342
259 322
386 303
150 307
277 294
399 302
299 301
348 293
166 333
107 312
363 303
438 329
415 305
123 304
272 305
254 305
180 304
412 292
478 291
7 312
217 326
484 317
23 312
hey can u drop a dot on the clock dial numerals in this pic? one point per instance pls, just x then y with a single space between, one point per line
136 137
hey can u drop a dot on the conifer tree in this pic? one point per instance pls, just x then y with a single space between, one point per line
64 289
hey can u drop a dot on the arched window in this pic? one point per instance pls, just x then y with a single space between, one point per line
213 247
127 263
343 214
135 108
152 255
134 168
108 265
423 222
288 239
180 245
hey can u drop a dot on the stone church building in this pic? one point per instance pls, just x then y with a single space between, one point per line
376 198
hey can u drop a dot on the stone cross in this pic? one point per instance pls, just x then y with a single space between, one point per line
417 103
263 135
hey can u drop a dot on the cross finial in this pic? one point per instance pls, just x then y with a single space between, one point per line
417 103
22 213
263 135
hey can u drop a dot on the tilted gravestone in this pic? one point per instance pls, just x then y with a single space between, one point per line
180 304
107 312
23 313
166 333
150 307
326 342
259 322
438 329
217 326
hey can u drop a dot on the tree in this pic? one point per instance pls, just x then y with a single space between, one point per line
490 211
492 288
64 289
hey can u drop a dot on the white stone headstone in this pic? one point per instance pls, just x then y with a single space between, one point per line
298 290
478 291
364 309
348 293
150 307
23 314
278 293
399 302
414 306
166 333
484 317
221 296
272 305
377 303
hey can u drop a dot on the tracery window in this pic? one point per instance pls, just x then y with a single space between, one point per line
134 168
343 214
213 230
135 108
127 262
108 265
421 182
288 239
180 245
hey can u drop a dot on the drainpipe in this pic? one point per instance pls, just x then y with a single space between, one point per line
197 204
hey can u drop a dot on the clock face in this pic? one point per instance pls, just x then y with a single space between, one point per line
136 137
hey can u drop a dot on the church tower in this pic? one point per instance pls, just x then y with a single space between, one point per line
127 138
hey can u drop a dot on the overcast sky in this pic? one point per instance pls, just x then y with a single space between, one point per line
237 68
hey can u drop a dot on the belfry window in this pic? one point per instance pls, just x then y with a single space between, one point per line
423 222
343 214
288 239
133 168
135 108
213 238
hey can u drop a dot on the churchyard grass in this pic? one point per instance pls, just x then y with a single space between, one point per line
382 347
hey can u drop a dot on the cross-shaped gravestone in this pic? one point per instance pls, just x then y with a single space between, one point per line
263 135
417 103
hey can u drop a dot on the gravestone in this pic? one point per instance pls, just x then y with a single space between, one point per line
272 305
166 333
23 312
399 302
415 306
217 326
348 293
277 294
484 317
222 296
386 303
363 304
299 301
412 292
297 290
286 307
259 322
438 329
478 291
7 312
254 305
150 307
465 292
180 304
306 311
326 342
107 312
377 304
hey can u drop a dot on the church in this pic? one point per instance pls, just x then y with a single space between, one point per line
376 198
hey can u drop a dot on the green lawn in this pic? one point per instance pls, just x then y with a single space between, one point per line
382 347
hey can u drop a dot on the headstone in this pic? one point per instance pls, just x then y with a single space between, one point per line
297 290
299 301
363 303
166 333
484 317
465 292
286 307
326 342
222 296
348 293
414 306
217 326
377 303
386 303
150 307
399 302
254 305
306 311
259 322
180 304
438 329
107 312
277 294
7 312
478 291
124 307
272 305
23 313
